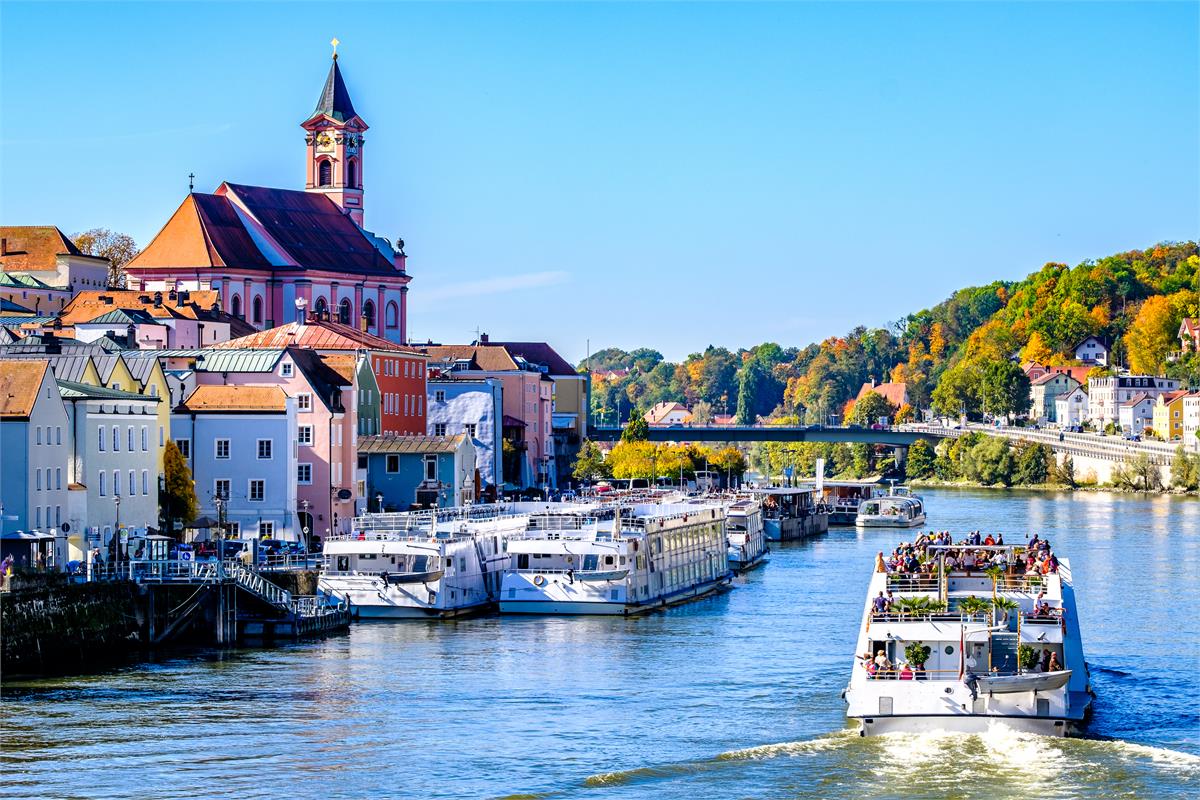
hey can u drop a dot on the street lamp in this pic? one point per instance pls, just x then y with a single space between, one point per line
379 499
116 540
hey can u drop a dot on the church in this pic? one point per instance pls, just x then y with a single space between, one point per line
275 255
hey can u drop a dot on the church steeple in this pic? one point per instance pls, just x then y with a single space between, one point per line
335 143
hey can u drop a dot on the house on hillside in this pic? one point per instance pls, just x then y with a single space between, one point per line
1136 414
1045 390
1071 409
40 268
1189 335
894 393
665 414
1093 351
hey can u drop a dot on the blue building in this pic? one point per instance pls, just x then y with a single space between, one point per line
34 446
403 471
239 442
474 407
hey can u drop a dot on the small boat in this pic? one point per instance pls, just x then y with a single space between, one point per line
1024 682
790 512
891 511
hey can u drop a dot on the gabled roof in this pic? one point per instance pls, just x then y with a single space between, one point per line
65 367
661 411
243 360
74 389
9 307
1189 326
478 357
105 365
410 444
84 307
226 399
894 393
1166 398
315 334
35 247
140 368
205 231
1140 397
121 316
1101 340
1050 376
19 384
540 353
326 381
334 101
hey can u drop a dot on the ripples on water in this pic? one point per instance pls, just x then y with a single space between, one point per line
733 696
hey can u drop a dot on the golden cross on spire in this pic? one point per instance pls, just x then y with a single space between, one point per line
334 41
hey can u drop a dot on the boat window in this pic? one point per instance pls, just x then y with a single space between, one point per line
343 563
449 561
462 564
608 560
420 564
522 561
885 706
1043 707
591 562
367 556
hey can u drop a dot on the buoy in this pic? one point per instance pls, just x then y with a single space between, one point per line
539 581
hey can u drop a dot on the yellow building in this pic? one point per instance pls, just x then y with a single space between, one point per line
1168 415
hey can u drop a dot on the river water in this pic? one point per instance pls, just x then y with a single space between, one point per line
734 696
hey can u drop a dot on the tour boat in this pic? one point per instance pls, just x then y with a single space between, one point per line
790 512
616 560
891 511
984 662
438 563
842 498
744 533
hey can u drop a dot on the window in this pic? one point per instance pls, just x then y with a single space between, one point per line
266 529
439 429
38 475
264 449
102 487
439 396
116 479
286 369
58 477
325 172
132 483
116 438
145 438
471 429
420 404
368 312
321 307
145 482
258 490
235 306
162 436
39 434
129 439
392 464
304 474
406 399
38 517
393 315
407 367
222 448
221 488
352 173
430 468
185 447
58 515
257 309
304 402
58 434
344 311
304 435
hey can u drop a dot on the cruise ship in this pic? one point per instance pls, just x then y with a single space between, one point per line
744 533
623 559
438 563
791 512
977 635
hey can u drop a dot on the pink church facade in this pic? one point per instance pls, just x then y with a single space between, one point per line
273 255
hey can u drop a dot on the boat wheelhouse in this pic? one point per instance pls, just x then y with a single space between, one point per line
842 498
616 559
891 511
745 535
790 512
436 563
960 646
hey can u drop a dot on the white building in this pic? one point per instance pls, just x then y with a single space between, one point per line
1191 421
1137 414
1105 395
1071 409
1092 351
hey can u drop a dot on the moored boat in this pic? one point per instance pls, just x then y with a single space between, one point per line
790 512
745 535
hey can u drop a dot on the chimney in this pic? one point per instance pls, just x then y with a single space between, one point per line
106 299
158 299
3 247
483 338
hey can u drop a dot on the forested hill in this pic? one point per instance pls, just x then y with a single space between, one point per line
944 354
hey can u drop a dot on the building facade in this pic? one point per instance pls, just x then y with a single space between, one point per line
425 471
34 446
1105 395
1092 351
1044 390
474 407
1071 409
1168 415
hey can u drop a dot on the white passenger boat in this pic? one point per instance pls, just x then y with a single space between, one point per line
842 498
891 511
438 563
616 560
985 657
745 535
790 512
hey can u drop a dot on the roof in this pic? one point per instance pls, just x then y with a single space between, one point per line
894 393
1166 398
326 381
315 334
16 281
1050 376
19 384
241 360
1137 399
140 368
541 353
334 101
74 389
1101 340
9 307
1078 373
660 411
65 367
410 444
221 399
105 365
85 307
508 421
121 316
1190 326
344 365
35 247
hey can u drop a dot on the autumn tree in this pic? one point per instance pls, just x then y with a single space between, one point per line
1152 336
637 459
1036 350
637 430
590 464
118 248
177 501
702 413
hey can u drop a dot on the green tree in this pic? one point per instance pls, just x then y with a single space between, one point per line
1005 389
178 499
1064 473
638 430
1185 471
864 461
921 459
1033 463
959 389
870 408
590 464
990 462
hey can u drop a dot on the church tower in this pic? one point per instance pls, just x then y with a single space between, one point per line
334 136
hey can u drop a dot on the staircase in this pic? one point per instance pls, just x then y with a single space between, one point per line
1004 652
254 583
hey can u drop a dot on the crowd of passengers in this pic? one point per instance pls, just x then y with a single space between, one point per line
913 559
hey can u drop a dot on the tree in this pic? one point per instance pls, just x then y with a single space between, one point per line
1064 474
1036 350
590 464
990 461
958 390
702 413
634 460
1033 463
1185 471
920 459
638 430
1005 389
178 500
869 408
729 461
1152 336
118 248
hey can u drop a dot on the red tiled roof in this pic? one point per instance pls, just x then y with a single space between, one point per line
316 334
483 357
19 384
539 353
1049 376
34 247
1078 373
236 398
894 393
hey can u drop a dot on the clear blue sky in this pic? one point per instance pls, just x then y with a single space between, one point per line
662 175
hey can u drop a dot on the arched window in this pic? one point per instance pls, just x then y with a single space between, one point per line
393 315
322 308
325 172
257 309
235 306
352 173
344 312
369 314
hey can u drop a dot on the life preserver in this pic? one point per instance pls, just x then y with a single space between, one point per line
539 581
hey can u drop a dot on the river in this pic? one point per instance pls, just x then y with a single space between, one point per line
733 696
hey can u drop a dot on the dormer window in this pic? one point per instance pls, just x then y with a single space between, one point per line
286 368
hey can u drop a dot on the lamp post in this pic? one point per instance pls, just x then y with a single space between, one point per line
379 500
307 527
116 540
219 501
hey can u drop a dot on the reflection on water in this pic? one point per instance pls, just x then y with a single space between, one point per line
735 695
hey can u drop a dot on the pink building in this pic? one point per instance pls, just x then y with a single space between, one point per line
272 253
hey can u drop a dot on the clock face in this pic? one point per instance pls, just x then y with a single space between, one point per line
324 142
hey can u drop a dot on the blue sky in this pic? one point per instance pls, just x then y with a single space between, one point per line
664 175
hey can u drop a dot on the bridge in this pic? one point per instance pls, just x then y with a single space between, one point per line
891 436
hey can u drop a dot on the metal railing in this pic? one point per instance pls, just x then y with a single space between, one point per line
256 584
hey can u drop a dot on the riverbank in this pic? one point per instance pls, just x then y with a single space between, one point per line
933 483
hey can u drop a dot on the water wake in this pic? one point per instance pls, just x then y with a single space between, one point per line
763 751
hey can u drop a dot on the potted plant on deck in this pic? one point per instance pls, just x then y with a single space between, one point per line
973 606
1027 657
917 654
1006 606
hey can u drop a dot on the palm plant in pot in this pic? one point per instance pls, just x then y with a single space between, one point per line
997 575
973 606
1006 606
1027 657
917 654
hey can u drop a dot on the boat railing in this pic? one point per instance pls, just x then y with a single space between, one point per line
893 674
930 616
904 583
400 535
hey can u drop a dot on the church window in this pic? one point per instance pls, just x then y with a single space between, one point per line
393 315
352 174
369 314
322 308
257 306
344 312
235 306
325 173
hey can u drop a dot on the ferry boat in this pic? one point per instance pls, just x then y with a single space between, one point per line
897 510
437 563
744 533
999 648
842 498
790 512
616 560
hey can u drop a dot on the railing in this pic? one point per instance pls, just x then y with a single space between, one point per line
902 583
258 585
893 674
930 616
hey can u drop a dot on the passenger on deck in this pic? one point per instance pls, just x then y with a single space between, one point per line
906 673
1045 663
1055 665
989 541
882 665
880 603
879 565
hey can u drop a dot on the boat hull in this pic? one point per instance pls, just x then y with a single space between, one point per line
600 608
879 522
749 564
966 723
386 612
